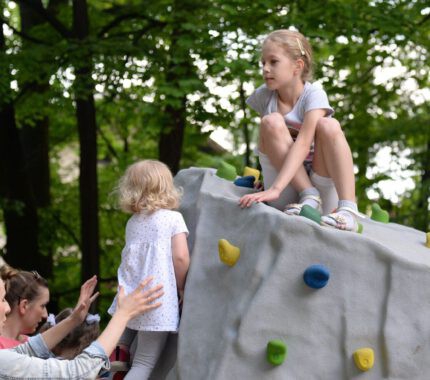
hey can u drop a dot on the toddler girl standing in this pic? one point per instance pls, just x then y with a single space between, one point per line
155 245
303 151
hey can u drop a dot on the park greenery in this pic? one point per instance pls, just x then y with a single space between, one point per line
89 86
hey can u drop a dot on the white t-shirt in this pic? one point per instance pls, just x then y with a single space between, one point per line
148 252
265 102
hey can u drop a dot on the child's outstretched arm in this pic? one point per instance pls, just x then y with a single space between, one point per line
55 334
181 260
295 157
135 303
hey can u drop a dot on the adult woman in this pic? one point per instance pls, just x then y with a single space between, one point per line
27 294
28 360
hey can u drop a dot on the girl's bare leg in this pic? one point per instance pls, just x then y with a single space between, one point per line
333 158
275 141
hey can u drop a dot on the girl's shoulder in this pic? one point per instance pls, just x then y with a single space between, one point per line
167 214
263 91
312 89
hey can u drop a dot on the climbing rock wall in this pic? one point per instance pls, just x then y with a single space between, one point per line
377 295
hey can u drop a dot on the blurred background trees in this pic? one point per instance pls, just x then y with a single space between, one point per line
88 87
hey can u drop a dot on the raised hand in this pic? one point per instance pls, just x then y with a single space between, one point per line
86 298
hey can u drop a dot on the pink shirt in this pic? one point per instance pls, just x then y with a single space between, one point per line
10 343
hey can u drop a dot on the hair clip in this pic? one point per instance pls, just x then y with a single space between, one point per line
92 318
51 320
36 275
302 51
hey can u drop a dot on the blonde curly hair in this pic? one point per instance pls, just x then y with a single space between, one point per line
147 186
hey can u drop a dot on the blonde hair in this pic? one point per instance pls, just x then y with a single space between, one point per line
296 46
147 186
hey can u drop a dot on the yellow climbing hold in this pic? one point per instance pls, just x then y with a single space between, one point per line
251 171
228 253
364 358
428 240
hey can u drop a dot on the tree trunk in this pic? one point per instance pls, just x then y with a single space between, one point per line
423 220
174 121
86 119
172 136
34 138
19 209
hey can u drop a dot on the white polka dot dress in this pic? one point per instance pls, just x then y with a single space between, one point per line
148 252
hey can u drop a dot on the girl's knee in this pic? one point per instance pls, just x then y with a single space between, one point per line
328 127
273 123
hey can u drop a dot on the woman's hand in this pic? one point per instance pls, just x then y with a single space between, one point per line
129 306
263 196
56 334
86 298
139 301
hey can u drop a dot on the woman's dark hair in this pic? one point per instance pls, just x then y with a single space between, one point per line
21 284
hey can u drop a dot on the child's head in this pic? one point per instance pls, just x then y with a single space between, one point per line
27 294
147 186
295 46
78 339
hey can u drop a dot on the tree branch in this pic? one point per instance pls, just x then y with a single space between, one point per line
22 34
424 20
115 22
49 17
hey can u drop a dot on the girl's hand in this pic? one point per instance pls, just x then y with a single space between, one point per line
86 298
264 196
139 301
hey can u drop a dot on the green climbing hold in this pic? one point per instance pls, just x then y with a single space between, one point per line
226 171
310 213
276 352
360 228
379 214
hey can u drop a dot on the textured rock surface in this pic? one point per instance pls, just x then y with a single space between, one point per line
378 295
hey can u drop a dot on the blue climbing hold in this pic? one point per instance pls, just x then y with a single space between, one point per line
316 276
247 181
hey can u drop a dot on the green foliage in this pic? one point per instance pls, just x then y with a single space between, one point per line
152 60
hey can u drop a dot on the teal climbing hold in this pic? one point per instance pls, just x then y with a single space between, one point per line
226 171
316 276
276 352
247 181
310 213
379 214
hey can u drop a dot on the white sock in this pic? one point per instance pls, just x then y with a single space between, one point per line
313 191
348 217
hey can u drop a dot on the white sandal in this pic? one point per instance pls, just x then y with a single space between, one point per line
339 220
295 208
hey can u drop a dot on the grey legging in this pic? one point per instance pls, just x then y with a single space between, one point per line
148 347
